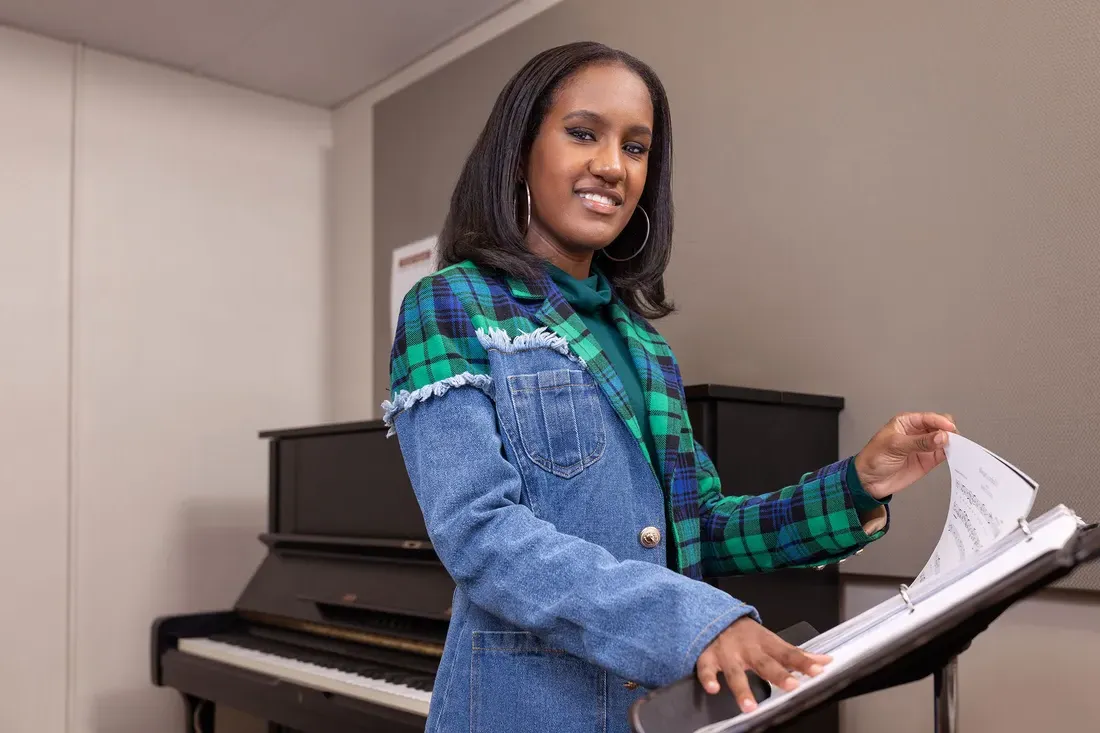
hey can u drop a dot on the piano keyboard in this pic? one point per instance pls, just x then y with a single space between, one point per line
409 692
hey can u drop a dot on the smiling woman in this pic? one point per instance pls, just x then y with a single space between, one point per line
575 158
545 432
587 169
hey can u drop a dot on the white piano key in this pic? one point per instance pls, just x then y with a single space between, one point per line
379 692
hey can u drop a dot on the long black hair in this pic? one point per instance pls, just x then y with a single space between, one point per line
483 224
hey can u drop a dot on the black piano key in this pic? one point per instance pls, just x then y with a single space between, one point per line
366 670
354 667
421 683
386 658
370 670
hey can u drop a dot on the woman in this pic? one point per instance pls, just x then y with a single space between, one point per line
544 428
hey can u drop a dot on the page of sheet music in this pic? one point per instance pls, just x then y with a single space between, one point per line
988 497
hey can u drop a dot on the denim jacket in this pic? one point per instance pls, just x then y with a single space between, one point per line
541 501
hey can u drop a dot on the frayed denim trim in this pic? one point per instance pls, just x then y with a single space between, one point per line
405 399
498 339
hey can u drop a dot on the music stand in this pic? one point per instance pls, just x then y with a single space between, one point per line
933 649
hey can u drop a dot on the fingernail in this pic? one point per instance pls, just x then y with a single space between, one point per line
712 687
940 437
748 705
816 669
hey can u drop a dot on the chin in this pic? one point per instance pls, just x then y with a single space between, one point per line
593 239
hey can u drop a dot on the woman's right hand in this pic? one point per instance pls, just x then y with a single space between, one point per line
746 645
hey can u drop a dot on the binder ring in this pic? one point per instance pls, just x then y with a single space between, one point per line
1024 528
903 589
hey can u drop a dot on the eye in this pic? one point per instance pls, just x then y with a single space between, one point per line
580 133
636 149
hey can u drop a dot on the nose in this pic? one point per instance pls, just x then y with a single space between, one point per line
608 164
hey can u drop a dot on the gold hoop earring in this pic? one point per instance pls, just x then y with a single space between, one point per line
516 204
644 241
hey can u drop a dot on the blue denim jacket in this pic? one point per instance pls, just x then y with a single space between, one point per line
552 522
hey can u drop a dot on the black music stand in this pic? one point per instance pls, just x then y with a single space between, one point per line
684 707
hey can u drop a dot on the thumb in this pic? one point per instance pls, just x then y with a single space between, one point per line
922 443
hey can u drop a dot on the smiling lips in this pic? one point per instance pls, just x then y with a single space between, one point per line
601 203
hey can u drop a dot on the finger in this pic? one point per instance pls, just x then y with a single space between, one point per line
928 461
738 683
771 670
802 661
924 422
707 670
923 443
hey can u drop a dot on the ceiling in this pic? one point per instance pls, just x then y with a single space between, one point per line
321 52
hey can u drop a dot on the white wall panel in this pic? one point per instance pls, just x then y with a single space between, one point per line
199 266
35 144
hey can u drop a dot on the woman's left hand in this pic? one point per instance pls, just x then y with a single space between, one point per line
904 450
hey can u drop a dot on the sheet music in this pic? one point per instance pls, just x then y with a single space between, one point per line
1050 532
988 498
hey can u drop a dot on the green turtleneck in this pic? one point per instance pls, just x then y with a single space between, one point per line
589 298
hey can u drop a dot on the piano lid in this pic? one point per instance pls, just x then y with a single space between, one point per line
398 598
345 480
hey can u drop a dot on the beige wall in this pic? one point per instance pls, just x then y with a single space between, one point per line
351 263
836 164
36 83
162 247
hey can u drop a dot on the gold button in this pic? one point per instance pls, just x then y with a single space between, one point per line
650 537
630 685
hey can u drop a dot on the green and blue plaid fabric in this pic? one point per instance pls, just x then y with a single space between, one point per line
436 346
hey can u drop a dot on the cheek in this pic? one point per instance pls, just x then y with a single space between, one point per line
557 166
558 177
636 179
552 187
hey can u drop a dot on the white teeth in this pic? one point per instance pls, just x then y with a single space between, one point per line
598 198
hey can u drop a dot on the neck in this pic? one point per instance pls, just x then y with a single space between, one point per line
577 263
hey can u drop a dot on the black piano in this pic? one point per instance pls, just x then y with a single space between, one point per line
342 626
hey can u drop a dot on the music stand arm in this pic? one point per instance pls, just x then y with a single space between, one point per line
946 685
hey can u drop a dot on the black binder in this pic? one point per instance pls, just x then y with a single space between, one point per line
684 707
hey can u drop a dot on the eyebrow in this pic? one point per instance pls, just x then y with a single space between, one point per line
596 118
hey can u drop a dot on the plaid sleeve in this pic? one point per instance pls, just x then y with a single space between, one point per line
811 523
435 348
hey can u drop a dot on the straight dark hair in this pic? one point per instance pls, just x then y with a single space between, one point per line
483 223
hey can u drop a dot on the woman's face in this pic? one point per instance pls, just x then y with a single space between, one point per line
587 165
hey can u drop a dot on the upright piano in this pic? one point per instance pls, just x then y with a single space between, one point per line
341 627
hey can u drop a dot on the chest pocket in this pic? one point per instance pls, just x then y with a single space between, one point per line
560 422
